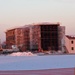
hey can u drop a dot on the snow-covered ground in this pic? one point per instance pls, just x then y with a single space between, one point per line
22 54
36 62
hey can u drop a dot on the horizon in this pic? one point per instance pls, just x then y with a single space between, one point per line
21 12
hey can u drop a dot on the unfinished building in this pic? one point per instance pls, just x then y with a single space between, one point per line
38 37
47 36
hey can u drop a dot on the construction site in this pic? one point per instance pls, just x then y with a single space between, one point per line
37 37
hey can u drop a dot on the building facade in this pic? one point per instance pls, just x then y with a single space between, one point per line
70 43
26 38
37 37
14 37
47 36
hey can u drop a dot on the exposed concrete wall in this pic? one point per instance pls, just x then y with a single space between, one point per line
61 36
69 45
34 37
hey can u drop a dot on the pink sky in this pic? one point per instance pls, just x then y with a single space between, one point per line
20 12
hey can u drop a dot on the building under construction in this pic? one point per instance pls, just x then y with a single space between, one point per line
14 37
47 36
42 37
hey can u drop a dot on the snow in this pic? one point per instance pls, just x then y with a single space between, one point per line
22 54
36 62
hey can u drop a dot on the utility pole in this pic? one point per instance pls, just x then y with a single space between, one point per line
0 45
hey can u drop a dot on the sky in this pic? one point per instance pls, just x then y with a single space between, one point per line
20 12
